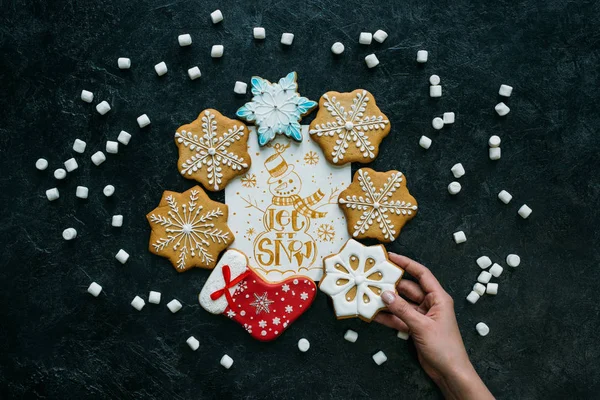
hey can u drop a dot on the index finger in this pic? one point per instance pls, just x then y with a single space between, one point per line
422 274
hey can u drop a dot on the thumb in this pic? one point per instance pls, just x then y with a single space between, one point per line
401 309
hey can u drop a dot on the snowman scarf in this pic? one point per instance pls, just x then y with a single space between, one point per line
302 205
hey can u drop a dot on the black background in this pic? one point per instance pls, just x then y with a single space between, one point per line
57 341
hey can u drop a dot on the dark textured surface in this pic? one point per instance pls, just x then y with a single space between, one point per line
56 341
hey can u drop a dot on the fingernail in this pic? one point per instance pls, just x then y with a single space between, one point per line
388 297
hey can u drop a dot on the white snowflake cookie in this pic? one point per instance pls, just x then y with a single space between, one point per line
356 277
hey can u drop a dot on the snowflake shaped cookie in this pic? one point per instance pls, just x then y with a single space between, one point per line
349 127
189 229
276 108
212 149
377 204
356 277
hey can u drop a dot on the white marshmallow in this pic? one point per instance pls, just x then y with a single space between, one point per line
379 357
524 211
337 48
437 123
287 38
60 174
98 158
138 303
502 109
494 141
154 297
402 335
425 142
449 117
513 260
217 51
380 36
484 262
108 190
240 87
71 165
482 329
122 256
69 234
86 96
124 138
484 277
79 146
496 270
112 147
226 361
505 90
479 289
454 188
434 80
495 153
117 221
103 107
194 73
473 297
459 237
94 289
143 121
422 56
41 164
435 91
216 16
124 63
372 61
184 40
303 345
52 194
259 33
504 196
82 192
193 343
457 170
351 336
161 68
492 288
174 306
365 38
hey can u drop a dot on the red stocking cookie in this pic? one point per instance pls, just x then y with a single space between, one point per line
265 309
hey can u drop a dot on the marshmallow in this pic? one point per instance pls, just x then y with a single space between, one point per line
117 221
380 36
226 361
194 73
124 63
86 96
425 142
496 270
337 48
98 158
454 187
494 141
240 87
524 211
484 277
108 190
52 194
365 38
124 138
143 121
94 289
217 51
504 196
112 147
82 192
174 306
457 170
449 118
479 289
484 262
69 234
437 123
459 237
161 68
502 109
492 288
422 56
71 165
351 336
379 357
259 33
513 260
434 80
138 303
122 256
303 345
482 329
193 343
371 60
287 38
154 297
184 40
473 297
216 16
41 164
79 146
435 91
495 153
60 174
505 90
103 107
402 335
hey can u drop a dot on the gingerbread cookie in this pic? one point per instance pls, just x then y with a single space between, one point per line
356 277
189 229
213 149
276 108
265 309
349 127
377 204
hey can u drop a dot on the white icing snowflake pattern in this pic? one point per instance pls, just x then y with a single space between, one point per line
231 313
304 295
212 150
376 204
350 126
289 309
285 287
261 303
262 323
276 321
243 285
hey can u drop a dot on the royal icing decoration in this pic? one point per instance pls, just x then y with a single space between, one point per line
265 309
356 277
212 149
276 108
189 229
377 205
349 127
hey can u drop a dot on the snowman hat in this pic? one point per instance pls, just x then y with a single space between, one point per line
277 167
